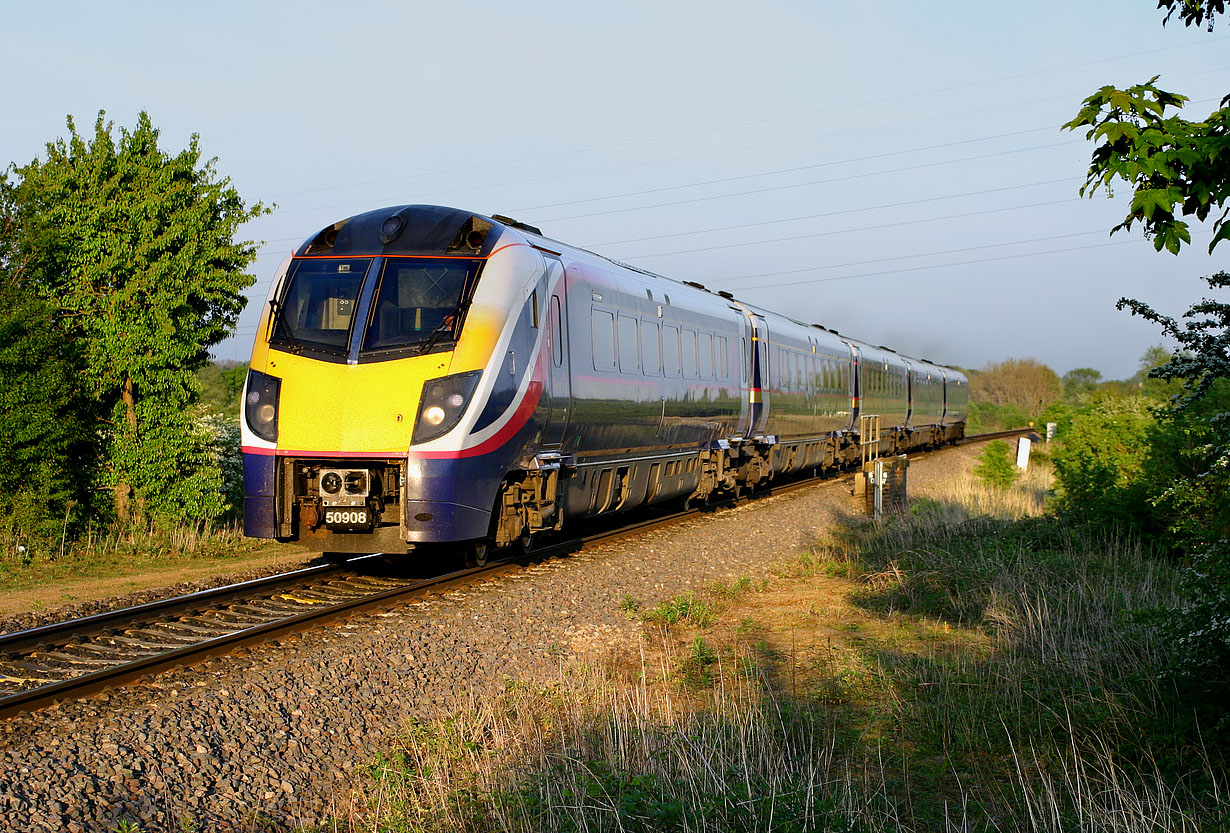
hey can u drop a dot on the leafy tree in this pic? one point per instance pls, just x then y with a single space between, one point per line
987 416
1144 383
46 442
1027 384
1080 382
1191 12
221 383
1197 450
1204 339
135 247
1173 165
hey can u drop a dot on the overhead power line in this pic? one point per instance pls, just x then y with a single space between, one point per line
833 232
839 213
1000 245
792 185
751 123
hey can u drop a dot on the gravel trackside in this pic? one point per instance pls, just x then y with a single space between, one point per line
274 737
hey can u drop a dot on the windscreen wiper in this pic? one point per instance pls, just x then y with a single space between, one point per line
445 327
279 313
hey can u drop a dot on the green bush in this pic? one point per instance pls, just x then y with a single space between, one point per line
996 465
1185 468
46 448
987 416
1098 464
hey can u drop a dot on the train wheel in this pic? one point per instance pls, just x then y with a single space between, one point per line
525 544
478 553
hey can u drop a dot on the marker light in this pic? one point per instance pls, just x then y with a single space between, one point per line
443 403
261 404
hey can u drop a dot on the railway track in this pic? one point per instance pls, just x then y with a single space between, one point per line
80 657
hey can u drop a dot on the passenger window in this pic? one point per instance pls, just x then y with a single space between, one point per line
603 328
705 354
629 345
688 351
723 358
651 354
670 350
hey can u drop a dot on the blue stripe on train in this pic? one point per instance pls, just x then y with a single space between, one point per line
259 508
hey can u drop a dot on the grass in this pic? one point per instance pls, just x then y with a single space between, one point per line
610 749
975 666
114 555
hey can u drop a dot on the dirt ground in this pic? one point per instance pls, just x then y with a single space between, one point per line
77 591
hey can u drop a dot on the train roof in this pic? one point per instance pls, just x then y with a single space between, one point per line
434 230
422 230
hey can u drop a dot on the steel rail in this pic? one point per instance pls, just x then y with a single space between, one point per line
93 682
83 685
32 637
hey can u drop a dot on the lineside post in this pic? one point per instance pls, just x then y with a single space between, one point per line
888 494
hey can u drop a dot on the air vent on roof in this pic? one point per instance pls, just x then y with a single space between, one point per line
471 235
325 238
509 221
695 284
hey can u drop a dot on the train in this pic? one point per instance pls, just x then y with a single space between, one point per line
424 375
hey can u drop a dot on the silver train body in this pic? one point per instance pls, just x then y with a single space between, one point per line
552 385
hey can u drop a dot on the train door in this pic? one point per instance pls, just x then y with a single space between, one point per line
761 374
943 396
910 392
558 378
856 382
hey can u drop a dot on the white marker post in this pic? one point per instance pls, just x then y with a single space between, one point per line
1022 453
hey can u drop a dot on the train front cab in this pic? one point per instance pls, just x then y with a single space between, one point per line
392 382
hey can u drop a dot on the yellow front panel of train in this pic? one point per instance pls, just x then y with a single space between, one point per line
327 407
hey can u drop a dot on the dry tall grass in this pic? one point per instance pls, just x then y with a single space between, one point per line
609 748
1048 717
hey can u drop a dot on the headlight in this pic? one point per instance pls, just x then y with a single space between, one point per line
261 404
443 403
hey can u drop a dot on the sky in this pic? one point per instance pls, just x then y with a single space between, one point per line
895 170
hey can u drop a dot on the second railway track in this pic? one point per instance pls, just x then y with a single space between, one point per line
77 658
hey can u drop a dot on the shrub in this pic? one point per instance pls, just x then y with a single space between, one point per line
1098 465
46 446
987 416
996 466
